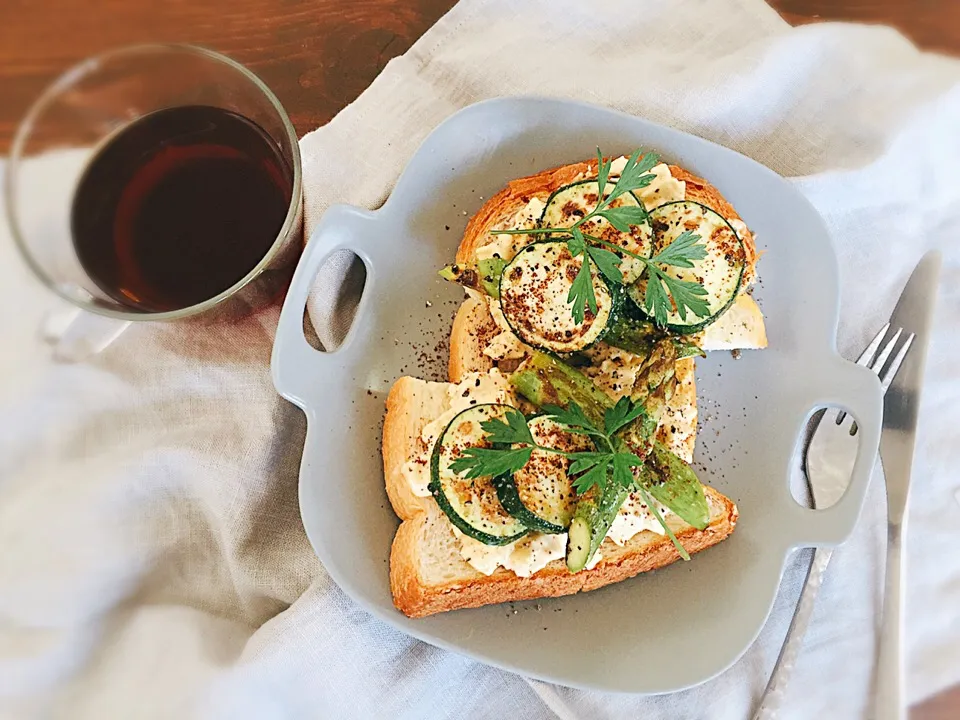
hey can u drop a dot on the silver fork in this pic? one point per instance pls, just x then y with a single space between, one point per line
829 461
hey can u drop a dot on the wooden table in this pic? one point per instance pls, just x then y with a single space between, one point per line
318 55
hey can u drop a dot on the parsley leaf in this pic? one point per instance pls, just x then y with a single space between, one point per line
634 175
581 292
603 171
577 244
512 432
622 464
513 446
621 414
687 294
571 416
583 461
665 294
478 462
685 248
624 216
607 263
655 300
595 476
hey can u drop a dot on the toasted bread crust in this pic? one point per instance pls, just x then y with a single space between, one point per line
647 551
513 197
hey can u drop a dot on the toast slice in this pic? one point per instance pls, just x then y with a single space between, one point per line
428 574
741 327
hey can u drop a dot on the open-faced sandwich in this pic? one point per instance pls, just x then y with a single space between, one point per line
556 459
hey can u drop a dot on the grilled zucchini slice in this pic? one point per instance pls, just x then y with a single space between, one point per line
471 504
540 495
534 288
720 272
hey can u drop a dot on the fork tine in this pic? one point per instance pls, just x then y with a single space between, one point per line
884 353
891 372
867 355
866 360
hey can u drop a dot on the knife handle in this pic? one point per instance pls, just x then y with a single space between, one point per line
889 703
772 699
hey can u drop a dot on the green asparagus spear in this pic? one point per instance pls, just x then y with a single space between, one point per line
653 389
640 337
674 484
483 277
634 335
592 518
545 380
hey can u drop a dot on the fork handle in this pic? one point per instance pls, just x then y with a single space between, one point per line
773 696
889 703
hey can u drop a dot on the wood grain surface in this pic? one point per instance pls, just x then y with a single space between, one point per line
318 55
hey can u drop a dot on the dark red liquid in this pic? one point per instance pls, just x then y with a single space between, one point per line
179 206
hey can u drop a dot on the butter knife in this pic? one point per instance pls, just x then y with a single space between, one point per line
914 313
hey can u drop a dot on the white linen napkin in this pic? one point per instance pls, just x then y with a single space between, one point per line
152 561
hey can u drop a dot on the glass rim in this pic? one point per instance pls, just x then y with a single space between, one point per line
67 79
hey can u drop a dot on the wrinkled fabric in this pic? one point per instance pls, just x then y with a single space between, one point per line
152 559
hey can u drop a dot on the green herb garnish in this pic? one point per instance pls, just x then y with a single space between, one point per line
512 445
663 293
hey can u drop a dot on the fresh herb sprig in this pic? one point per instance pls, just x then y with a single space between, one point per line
686 294
512 445
663 293
591 468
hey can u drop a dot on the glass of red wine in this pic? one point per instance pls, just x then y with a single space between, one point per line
157 182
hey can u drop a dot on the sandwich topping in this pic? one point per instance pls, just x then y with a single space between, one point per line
504 345
565 207
504 247
598 290
545 485
524 557
532 553
471 502
718 273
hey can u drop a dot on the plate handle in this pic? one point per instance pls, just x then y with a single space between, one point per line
294 364
857 391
